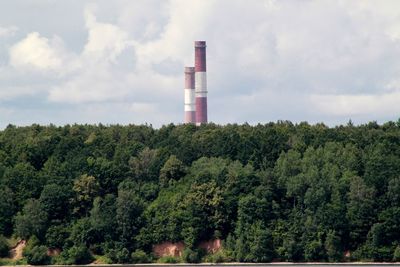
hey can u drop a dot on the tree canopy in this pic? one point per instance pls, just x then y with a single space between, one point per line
277 191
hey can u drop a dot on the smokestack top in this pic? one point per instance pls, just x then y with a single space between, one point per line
200 43
189 69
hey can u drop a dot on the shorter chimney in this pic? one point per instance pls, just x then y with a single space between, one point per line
190 97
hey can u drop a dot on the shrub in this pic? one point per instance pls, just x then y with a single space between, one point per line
139 256
118 255
3 246
37 256
32 242
103 259
123 256
365 252
396 254
193 256
79 255
218 257
168 259
56 236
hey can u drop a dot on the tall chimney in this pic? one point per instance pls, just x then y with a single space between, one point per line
200 81
190 104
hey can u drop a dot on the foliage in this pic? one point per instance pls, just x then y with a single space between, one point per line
31 221
54 200
4 247
7 210
82 232
217 257
193 255
56 236
396 254
139 256
86 188
276 191
172 170
129 210
78 254
37 255
168 259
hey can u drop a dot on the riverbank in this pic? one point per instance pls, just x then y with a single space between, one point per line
280 264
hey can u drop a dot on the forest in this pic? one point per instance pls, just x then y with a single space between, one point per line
271 192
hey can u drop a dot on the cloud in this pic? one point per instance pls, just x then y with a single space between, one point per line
37 52
267 60
355 105
11 92
105 40
102 76
8 31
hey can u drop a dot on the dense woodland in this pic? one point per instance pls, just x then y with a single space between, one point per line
273 192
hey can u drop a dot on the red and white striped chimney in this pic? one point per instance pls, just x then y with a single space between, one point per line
190 104
200 81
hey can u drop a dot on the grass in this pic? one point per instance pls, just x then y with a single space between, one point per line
7 261
101 259
169 259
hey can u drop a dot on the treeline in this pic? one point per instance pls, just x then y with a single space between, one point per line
277 191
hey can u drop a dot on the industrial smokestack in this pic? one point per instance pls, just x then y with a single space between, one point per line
190 102
200 81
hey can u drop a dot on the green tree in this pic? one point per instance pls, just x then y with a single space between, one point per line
260 243
146 165
37 256
7 210
82 232
333 246
56 236
102 216
24 181
203 212
360 210
55 201
86 188
31 221
129 214
172 170
78 254
4 247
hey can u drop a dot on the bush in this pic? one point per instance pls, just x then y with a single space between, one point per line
79 255
396 254
193 256
118 255
56 236
32 242
103 259
364 252
123 256
168 259
37 256
4 248
139 256
218 257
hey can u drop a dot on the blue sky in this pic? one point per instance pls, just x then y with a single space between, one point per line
122 61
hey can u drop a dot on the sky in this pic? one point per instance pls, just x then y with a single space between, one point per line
122 61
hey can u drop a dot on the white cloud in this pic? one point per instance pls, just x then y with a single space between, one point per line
354 105
11 92
105 41
267 60
100 78
8 31
37 52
